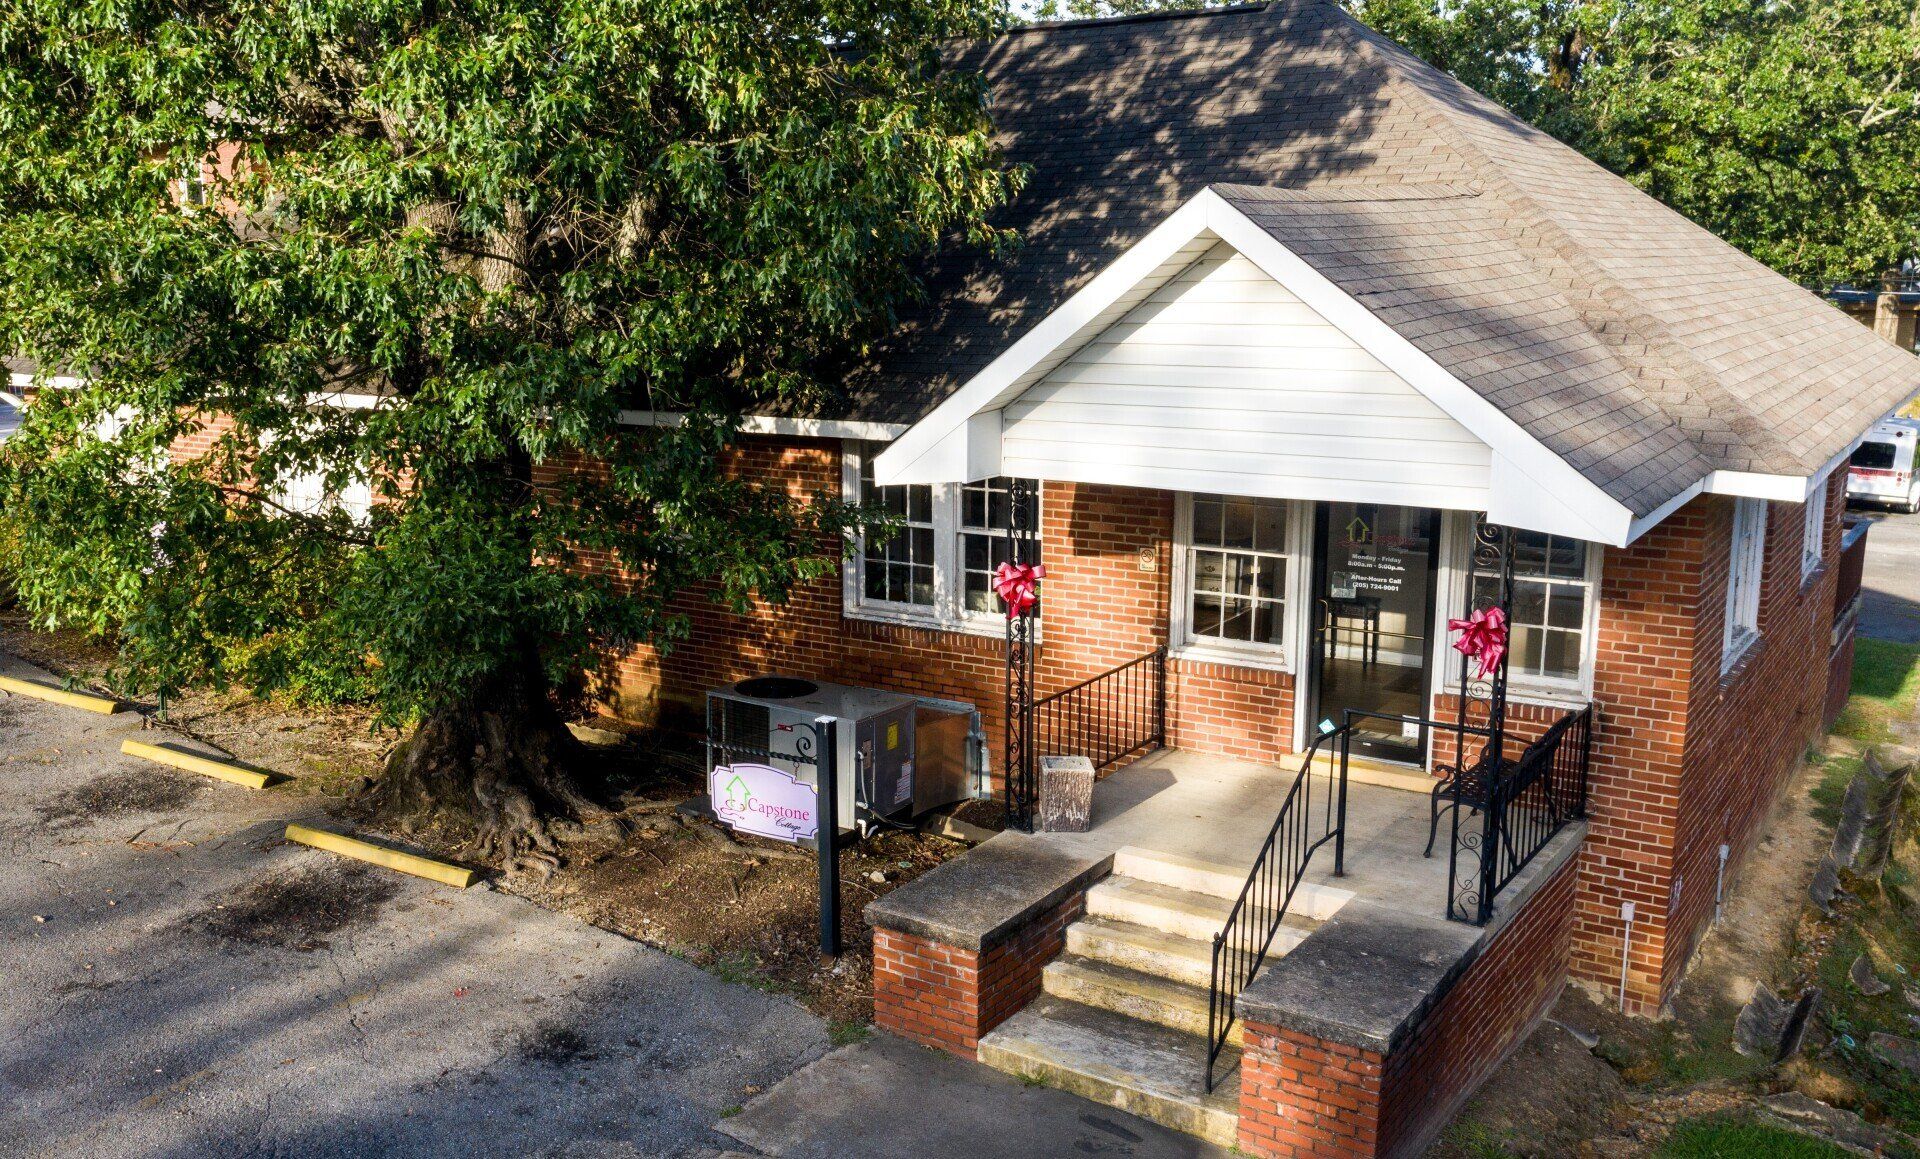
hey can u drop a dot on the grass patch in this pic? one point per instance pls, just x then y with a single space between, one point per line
847 1033
1835 772
1477 1140
1886 685
1735 1137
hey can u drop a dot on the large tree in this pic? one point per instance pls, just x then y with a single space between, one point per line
1789 127
500 222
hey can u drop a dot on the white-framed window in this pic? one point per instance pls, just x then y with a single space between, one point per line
937 569
1238 567
308 493
1813 540
1551 622
1746 566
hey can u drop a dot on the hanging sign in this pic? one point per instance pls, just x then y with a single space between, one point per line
764 801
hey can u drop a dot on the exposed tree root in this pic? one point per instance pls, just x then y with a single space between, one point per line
503 761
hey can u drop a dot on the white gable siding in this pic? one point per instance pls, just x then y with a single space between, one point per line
1224 380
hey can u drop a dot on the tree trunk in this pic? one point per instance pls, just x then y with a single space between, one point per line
502 759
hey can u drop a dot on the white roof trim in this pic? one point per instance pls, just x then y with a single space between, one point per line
15 378
769 425
1531 487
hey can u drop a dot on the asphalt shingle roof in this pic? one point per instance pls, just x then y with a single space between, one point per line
1631 342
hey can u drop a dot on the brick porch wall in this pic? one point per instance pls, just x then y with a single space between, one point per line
1303 1095
948 996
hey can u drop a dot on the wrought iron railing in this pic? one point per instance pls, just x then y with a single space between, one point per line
1522 804
1115 715
1241 946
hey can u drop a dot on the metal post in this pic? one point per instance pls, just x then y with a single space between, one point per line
1019 708
827 838
1340 833
1160 696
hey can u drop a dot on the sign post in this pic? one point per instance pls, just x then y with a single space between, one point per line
827 839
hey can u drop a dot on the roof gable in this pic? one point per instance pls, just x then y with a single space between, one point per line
1636 347
1528 484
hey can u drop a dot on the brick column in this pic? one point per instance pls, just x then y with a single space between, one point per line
948 996
959 951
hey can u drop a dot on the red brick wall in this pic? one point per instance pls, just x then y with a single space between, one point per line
948 996
1488 1010
1748 730
1657 661
1100 611
1302 1095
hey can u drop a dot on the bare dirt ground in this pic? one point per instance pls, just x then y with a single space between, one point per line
743 908
1627 1095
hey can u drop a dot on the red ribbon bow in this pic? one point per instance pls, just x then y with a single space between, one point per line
1018 585
1483 637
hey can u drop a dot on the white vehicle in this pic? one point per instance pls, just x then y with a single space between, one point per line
1882 470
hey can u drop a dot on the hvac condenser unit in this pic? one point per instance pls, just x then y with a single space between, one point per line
898 755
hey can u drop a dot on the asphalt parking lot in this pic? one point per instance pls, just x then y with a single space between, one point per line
180 981
1890 600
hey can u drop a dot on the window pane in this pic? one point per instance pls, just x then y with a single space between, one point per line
1238 521
1529 603
1236 619
1272 575
1562 655
1238 574
1206 615
1270 526
1567 608
920 503
1526 650
1529 553
1206 520
973 506
1567 559
1267 624
1209 570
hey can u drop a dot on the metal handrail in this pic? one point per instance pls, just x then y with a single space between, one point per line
1239 950
1109 717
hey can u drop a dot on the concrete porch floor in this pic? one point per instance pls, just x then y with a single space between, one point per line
1219 810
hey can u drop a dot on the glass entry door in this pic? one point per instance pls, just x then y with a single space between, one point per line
1373 583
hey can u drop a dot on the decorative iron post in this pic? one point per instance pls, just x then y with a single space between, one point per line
1489 585
1021 770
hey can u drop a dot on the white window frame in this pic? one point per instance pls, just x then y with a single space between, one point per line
1813 543
948 612
1248 654
1455 543
1746 574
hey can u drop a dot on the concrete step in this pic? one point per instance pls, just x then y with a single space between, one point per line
1180 912
1142 948
1147 997
1318 902
1133 1066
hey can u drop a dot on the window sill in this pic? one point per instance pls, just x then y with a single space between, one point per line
1737 654
1275 661
992 628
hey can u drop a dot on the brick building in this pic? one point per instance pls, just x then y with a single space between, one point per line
1299 331
1299 327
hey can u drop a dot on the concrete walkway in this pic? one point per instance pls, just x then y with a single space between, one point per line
158 1004
888 1097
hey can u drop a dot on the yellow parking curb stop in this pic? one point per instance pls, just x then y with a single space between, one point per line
380 855
196 763
104 705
